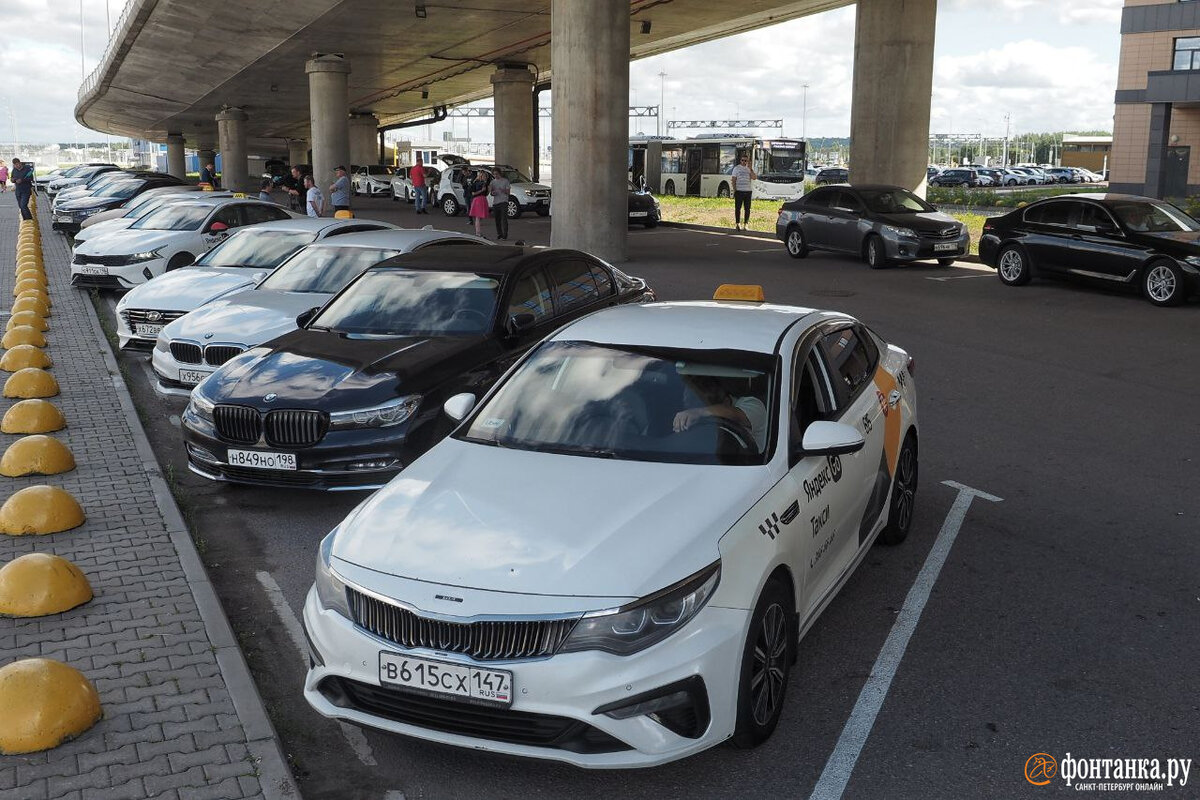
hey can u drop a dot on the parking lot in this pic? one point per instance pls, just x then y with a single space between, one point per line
1063 619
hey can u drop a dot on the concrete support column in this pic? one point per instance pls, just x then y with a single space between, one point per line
231 133
893 81
297 151
512 90
1156 154
364 139
329 110
590 53
176 159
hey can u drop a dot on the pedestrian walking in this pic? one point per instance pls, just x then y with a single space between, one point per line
22 179
339 190
499 189
293 184
208 174
743 190
416 176
478 209
264 190
314 201
3 177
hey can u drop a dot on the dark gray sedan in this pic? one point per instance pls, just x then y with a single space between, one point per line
879 223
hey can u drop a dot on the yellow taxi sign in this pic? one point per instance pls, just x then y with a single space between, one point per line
746 292
240 194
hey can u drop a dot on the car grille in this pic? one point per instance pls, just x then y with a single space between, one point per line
106 261
97 281
294 428
483 641
240 424
951 232
185 352
478 721
141 316
218 354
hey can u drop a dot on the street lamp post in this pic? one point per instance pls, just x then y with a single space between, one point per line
662 94
804 113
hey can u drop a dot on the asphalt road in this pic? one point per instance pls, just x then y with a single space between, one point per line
1064 619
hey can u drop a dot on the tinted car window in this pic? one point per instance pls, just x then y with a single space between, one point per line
1091 216
324 269
1055 213
847 201
531 295
574 285
229 215
820 198
604 284
262 213
851 359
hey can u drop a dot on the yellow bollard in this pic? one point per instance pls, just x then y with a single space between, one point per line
33 416
27 318
34 304
36 455
26 284
30 382
44 703
23 334
23 356
39 510
38 584
32 274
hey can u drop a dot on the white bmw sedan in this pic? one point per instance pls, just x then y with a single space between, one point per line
611 560
239 262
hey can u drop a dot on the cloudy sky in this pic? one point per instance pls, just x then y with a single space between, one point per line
1050 64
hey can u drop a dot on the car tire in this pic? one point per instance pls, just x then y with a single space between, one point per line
767 658
946 262
395 197
904 494
874 252
651 221
514 209
669 189
543 211
180 260
723 190
1012 266
450 205
1163 283
1010 182
794 242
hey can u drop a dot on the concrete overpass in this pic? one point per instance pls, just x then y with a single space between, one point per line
271 76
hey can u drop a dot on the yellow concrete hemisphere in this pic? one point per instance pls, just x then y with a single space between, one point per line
33 416
36 455
25 284
37 294
23 334
39 510
31 274
30 382
29 318
34 304
22 356
44 703
37 584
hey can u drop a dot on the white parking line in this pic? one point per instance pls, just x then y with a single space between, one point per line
354 737
845 754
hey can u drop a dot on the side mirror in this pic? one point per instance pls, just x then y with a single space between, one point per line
831 439
305 317
458 406
519 323
218 227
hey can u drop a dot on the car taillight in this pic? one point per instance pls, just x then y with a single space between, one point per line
912 366
988 227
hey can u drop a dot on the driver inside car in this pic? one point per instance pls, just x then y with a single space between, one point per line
747 411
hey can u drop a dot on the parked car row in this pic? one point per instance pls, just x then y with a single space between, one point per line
971 175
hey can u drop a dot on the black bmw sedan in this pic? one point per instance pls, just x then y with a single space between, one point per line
1117 240
356 393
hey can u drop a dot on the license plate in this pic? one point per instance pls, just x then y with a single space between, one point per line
62 218
193 376
439 677
639 213
92 269
941 246
146 330
261 459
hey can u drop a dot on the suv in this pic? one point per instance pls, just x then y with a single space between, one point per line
955 177
1060 175
833 175
525 195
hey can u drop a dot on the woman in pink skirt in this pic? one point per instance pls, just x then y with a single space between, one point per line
3 177
478 210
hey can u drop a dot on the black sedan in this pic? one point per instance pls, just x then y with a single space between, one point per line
1117 240
643 207
70 216
879 223
356 393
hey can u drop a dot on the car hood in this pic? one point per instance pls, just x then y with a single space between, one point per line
89 201
528 186
928 221
333 372
128 241
251 317
102 228
190 287
471 515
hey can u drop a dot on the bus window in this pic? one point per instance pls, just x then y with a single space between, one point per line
729 158
710 160
672 160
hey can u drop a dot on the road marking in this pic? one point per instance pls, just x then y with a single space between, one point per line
354 737
840 765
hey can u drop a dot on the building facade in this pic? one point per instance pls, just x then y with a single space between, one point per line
1087 152
1157 120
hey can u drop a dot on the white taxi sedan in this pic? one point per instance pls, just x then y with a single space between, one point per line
611 560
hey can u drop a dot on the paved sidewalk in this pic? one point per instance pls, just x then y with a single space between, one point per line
182 718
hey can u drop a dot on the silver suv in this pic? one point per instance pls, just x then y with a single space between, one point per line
525 195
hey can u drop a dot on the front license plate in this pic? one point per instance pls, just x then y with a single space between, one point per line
193 376
147 330
62 218
944 246
439 677
92 269
261 459
639 213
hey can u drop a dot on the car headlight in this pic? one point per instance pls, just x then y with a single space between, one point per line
331 590
145 255
200 406
900 233
645 622
387 415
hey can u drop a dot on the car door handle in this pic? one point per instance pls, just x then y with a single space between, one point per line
894 398
1077 237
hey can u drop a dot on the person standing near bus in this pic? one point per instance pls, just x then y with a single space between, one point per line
743 190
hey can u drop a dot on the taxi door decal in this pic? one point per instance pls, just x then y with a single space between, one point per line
885 384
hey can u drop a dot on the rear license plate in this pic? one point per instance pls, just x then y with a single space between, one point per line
192 376
639 213
440 677
92 269
146 330
944 246
261 459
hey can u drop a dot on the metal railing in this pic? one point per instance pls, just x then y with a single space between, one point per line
117 35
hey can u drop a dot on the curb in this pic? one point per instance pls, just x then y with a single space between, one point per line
275 778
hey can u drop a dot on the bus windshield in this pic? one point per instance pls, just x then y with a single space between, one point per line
779 158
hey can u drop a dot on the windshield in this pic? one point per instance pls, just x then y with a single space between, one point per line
894 201
121 189
510 173
1153 217
255 249
324 268
397 302
174 218
784 159
381 170
637 404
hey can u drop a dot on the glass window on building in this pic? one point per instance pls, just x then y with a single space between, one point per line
1187 52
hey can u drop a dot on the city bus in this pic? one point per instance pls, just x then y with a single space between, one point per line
701 166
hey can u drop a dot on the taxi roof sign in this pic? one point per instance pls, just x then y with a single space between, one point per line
746 292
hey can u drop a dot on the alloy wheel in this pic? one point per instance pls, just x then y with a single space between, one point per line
1161 284
769 670
906 480
1011 265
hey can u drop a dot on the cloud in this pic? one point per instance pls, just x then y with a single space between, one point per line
1066 11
